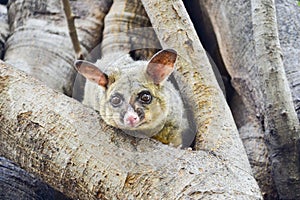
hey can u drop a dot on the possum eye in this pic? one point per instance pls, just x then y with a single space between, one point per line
145 97
116 100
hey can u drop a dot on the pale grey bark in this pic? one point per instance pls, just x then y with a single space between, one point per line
232 24
288 20
128 28
69 147
143 162
38 38
281 124
4 31
40 44
197 81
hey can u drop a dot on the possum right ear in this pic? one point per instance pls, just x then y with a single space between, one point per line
161 65
91 72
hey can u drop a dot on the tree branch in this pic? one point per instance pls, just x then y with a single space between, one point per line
70 148
196 79
72 29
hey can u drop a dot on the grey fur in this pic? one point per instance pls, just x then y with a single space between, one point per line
168 121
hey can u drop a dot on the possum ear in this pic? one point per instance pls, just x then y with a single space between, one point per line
91 72
161 65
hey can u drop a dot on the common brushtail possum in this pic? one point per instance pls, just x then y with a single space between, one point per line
136 96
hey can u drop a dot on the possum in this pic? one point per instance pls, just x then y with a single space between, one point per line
136 96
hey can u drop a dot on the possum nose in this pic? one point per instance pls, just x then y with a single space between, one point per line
131 118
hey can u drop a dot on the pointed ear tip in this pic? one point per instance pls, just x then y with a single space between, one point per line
77 63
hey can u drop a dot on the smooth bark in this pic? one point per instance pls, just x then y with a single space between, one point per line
232 24
4 31
288 20
72 29
40 44
128 29
281 124
215 132
67 153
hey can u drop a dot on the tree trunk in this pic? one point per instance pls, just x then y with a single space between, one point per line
232 24
288 20
280 122
49 65
40 44
128 29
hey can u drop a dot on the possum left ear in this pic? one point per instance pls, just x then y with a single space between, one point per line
161 65
91 72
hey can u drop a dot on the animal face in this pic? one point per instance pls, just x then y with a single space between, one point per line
136 97
133 104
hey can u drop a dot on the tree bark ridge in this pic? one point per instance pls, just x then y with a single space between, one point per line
281 124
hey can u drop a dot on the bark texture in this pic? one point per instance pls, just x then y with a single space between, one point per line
233 32
31 23
288 20
16 183
282 131
68 146
128 28
215 132
232 24
39 43
72 29
4 31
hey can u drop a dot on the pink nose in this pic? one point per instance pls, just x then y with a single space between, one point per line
132 120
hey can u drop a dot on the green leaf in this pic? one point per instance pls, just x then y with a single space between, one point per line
298 3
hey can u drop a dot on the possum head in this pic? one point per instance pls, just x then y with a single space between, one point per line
137 98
